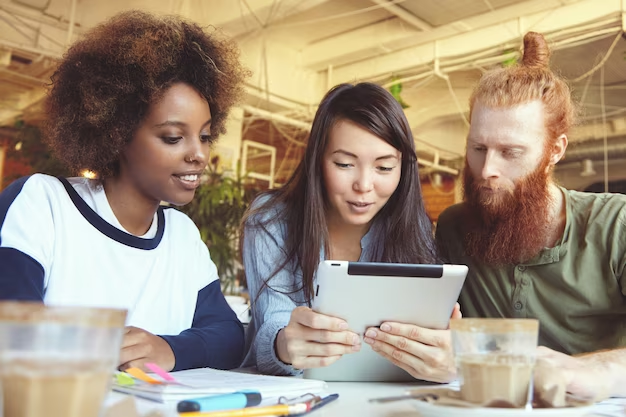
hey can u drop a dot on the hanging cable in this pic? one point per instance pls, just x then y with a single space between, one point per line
340 15
584 95
454 98
34 28
606 147
601 63
260 23
287 136
418 86
285 159
16 28
273 10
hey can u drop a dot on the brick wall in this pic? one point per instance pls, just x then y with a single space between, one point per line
438 198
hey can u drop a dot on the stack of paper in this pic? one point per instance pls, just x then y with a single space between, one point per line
206 381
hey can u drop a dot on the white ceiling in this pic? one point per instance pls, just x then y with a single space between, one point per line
297 49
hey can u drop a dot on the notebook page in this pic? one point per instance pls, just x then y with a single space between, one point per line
207 381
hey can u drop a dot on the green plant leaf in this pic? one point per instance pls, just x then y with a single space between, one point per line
217 210
395 89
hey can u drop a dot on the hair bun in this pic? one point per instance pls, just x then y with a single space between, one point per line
536 51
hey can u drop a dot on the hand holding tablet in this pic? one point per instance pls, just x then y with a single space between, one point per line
312 340
416 301
424 353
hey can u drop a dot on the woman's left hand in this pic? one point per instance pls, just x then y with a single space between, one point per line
424 353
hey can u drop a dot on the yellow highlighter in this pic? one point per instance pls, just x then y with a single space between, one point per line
272 410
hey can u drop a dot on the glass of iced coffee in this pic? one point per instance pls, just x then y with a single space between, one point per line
57 361
495 359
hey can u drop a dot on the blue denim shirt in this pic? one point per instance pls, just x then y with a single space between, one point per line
272 307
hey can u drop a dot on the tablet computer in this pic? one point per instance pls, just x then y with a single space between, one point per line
366 294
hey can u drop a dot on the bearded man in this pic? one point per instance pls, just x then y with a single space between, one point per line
535 249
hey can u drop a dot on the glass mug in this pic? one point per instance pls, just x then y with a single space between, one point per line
495 359
57 361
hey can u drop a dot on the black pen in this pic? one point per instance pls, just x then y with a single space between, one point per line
321 403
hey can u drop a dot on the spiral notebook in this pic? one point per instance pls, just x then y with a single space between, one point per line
206 381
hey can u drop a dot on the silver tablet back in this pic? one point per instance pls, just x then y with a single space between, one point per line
367 294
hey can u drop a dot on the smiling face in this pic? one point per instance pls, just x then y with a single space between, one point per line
361 172
170 148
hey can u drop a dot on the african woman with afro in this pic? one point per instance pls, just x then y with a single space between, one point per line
138 100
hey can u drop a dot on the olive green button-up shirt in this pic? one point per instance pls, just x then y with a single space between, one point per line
576 289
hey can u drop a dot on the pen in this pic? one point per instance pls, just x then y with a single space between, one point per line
321 403
230 401
272 410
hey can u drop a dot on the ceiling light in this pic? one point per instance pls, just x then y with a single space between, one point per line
587 170
436 179
88 174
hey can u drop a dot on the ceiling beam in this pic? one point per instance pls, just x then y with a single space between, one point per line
260 14
7 116
380 40
275 70
410 18
356 45
31 49
5 58
38 17
26 101
277 117
221 13
491 30
387 37
32 97
19 78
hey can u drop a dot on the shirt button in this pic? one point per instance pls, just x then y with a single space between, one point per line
521 268
518 305
525 282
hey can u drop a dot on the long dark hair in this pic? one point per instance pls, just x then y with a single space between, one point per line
405 230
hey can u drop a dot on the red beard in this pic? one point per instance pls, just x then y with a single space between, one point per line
508 228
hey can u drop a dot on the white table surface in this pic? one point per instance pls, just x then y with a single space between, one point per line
353 401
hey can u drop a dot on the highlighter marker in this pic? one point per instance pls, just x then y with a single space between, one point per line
231 401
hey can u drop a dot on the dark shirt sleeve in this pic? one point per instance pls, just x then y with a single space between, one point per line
216 337
619 246
21 277
444 224
25 225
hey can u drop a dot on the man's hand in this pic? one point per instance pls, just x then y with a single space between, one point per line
140 346
313 340
591 377
423 353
